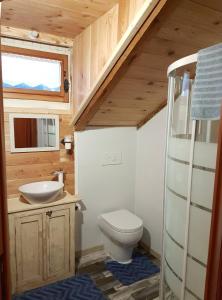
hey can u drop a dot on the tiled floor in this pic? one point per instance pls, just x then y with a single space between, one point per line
94 266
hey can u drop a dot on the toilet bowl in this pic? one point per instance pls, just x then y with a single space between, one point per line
121 230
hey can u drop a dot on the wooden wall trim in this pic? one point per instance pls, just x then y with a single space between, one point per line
213 285
15 93
3 207
43 38
129 40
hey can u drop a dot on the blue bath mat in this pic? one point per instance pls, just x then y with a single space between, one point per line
74 288
140 267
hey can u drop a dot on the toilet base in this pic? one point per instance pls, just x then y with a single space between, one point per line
119 253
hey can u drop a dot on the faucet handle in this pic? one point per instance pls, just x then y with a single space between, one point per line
57 172
60 175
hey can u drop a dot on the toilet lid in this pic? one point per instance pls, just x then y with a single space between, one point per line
123 220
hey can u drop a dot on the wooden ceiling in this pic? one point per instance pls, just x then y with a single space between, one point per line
65 18
139 88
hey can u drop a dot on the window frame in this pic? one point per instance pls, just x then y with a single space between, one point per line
31 94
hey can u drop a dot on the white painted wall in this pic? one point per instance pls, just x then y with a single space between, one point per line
150 178
136 184
103 188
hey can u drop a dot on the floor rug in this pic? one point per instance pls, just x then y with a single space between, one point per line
74 288
140 267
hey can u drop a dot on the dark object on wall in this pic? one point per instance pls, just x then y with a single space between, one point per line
66 85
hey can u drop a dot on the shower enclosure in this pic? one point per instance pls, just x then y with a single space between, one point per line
189 184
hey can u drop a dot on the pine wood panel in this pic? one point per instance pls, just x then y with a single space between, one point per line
95 45
92 49
65 18
81 62
103 41
136 88
22 168
127 12
120 60
5 285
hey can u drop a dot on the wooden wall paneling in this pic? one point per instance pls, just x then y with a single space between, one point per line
81 60
91 51
95 45
180 29
5 286
123 17
134 7
114 56
116 74
103 41
23 168
127 12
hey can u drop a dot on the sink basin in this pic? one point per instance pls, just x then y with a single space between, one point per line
41 192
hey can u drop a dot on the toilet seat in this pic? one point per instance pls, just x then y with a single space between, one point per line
123 221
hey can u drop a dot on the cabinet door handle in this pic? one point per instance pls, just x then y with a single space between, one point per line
49 213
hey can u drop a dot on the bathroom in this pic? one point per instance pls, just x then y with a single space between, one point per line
106 188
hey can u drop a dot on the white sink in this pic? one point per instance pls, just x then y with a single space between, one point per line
41 192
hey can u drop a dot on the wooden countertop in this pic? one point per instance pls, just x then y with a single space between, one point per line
19 204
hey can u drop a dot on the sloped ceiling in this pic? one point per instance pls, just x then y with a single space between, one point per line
139 90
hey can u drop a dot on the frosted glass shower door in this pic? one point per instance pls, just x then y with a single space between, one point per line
189 183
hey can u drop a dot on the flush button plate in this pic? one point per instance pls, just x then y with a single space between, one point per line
112 158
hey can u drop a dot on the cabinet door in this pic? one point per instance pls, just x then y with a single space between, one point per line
58 242
29 249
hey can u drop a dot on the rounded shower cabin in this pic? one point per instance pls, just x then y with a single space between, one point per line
189 187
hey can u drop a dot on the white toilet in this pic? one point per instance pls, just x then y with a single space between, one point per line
121 230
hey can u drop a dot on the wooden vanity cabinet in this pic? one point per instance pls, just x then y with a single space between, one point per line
41 245
26 242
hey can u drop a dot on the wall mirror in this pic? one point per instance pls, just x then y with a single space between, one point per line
32 133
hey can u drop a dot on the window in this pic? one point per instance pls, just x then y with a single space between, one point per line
30 74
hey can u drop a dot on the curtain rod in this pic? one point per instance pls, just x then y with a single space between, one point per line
182 62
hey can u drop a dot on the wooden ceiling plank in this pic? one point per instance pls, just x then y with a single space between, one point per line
155 111
65 18
184 31
116 72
